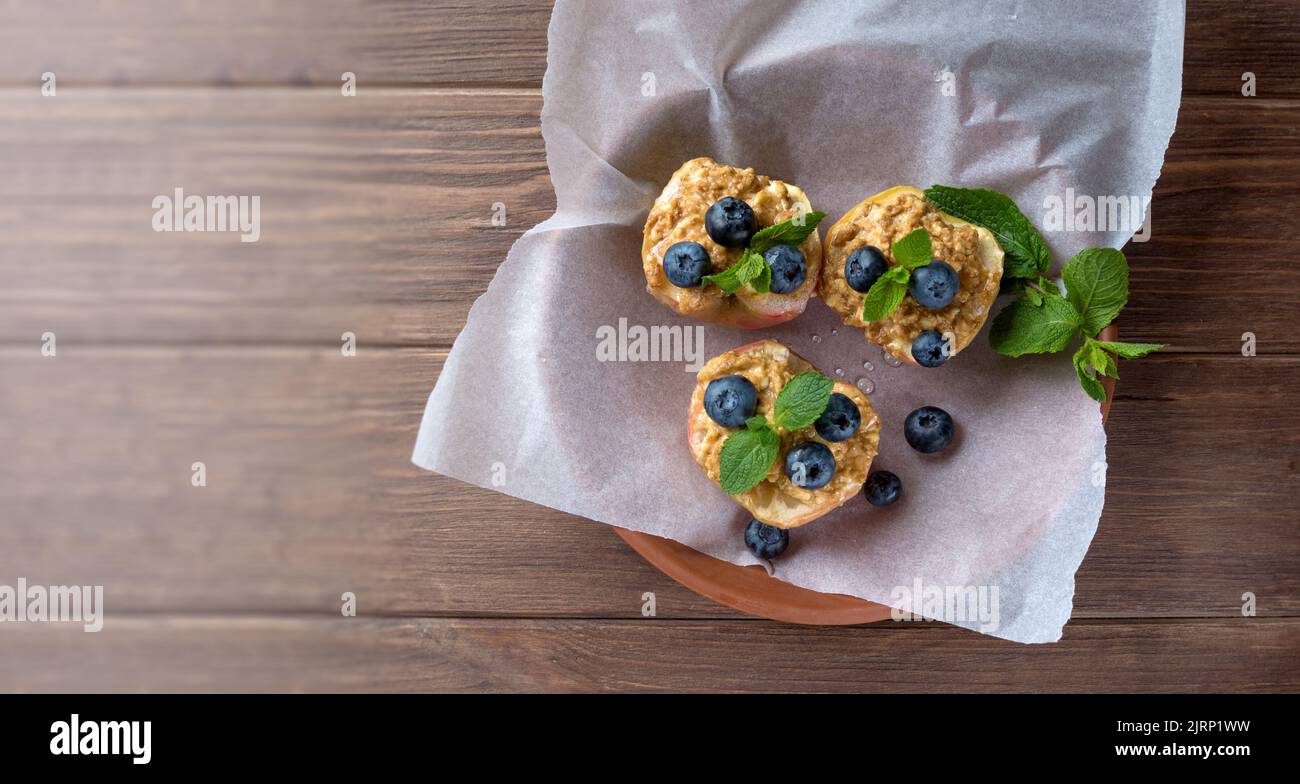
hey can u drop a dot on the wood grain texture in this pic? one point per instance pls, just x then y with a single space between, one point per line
253 42
377 220
407 180
457 42
489 655
310 492
377 213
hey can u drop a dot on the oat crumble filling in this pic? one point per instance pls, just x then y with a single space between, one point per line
881 224
678 216
770 366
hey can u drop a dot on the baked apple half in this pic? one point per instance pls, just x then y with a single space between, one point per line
711 217
818 458
948 298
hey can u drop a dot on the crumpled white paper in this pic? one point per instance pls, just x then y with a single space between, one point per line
843 99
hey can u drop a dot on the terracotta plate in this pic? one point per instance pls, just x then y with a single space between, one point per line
750 589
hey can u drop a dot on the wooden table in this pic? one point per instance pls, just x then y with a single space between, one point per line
377 219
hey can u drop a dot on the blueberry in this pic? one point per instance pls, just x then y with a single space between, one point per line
730 222
810 465
934 285
730 400
766 541
788 268
929 349
928 429
882 488
840 419
863 267
685 264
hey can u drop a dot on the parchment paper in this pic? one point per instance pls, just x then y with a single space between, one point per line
843 99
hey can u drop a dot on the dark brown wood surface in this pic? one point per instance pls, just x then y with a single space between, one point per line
377 220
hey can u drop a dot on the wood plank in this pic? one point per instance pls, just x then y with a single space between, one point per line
407 180
310 493
489 655
1196 446
377 213
445 42
1224 39
305 42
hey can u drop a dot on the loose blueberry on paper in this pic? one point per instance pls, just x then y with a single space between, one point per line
882 488
766 541
929 349
928 429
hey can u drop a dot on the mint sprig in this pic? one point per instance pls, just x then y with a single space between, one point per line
747 455
748 268
1085 356
752 268
1096 290
885 295
1042 320
1026 256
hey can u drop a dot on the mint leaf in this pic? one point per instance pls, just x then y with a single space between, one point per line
1130 350
763 283
913 250
747 456
728 280
1096 283
1091 354
1102 362
802 400
1035 290
749 266
885 294
1026 253
790 232
1023 328
1089 382
752 264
